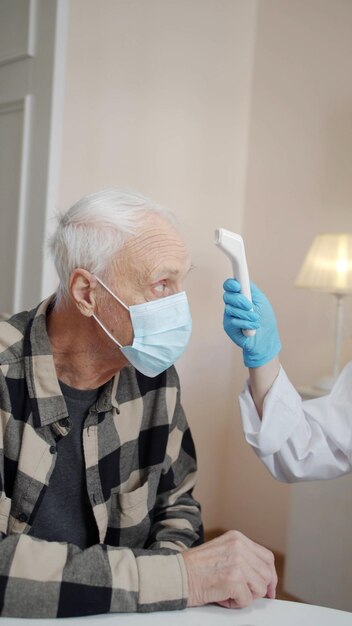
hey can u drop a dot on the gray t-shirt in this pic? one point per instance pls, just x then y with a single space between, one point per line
65 513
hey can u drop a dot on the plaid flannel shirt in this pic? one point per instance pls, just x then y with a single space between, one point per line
140 471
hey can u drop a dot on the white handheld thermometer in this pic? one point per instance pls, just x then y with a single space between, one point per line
232 245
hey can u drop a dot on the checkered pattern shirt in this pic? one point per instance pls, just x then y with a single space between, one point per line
140 471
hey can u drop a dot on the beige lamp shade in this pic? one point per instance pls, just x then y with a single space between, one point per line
328 264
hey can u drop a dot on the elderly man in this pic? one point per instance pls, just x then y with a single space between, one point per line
98 465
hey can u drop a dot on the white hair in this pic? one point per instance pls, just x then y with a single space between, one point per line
94 229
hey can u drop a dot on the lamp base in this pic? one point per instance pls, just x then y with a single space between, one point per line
325 384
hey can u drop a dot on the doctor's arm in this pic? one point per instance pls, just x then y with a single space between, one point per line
295 440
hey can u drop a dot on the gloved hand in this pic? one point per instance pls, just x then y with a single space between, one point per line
241 314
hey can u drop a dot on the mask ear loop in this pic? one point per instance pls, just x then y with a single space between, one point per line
111 292
107 331
101 323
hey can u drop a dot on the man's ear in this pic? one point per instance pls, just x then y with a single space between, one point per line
82 287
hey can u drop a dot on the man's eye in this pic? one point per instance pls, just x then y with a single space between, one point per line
160 288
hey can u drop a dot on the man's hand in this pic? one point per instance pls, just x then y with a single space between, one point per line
230 570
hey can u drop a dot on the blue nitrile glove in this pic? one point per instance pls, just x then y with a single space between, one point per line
240 314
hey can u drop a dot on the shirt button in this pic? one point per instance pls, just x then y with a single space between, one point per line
52 449
22 517
64 422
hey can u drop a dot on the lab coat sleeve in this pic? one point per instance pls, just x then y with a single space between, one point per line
299 440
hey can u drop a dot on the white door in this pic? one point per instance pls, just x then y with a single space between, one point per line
32 53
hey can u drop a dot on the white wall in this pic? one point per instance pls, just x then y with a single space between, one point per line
299 178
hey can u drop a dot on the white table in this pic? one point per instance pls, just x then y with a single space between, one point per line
260 613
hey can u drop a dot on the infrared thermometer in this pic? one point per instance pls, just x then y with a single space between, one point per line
232 245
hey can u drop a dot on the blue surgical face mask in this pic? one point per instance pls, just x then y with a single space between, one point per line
161 329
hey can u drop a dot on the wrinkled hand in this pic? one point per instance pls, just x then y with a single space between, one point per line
230 570
241 314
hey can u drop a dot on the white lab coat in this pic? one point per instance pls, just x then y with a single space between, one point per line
302 440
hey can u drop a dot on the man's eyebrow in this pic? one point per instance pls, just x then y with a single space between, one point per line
168 271
163 271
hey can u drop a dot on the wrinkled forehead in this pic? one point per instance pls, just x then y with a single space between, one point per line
157 244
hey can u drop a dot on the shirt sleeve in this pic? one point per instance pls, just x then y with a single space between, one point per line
42 579
299 440
177 521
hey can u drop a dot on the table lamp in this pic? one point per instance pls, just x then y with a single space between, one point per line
328 268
